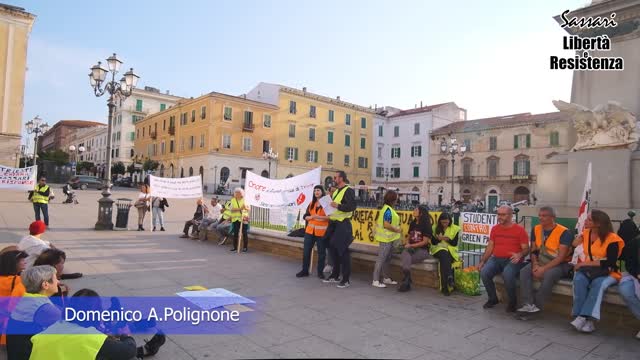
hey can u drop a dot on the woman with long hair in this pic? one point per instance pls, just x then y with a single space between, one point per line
317 222
444 247
596 271
12 263
417 247
387 232
142 204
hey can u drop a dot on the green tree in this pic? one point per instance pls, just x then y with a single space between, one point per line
58 156
118 168
150 165
131 168
85 165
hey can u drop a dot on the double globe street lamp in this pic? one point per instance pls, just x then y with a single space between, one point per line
453 149
118 90
80 150
271 156
37 126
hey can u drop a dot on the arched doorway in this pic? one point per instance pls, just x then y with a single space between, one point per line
181 172
521 193
466 196
190 171
162 170
264 173
201 172
171 170
492 200
327 182
224 175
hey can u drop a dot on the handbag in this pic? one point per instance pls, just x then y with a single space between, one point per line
593 272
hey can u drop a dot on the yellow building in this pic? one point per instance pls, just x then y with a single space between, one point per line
216 135
15 26
313 130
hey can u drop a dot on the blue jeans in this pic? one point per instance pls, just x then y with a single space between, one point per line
628 292
309 241
509 271
587 295
45 211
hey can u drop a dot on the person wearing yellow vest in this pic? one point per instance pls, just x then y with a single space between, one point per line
387 231
592 277
444 247
34 312
239 214
80 340
224 225
340 232
40 199
416 248
550 257
317 222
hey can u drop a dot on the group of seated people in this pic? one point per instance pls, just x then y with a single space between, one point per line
33 300
225 220
591 259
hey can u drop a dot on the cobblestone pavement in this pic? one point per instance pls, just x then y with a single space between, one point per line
297 318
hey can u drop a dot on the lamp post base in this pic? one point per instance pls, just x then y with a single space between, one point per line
105 210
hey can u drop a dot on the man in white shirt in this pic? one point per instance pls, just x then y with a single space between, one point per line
210 219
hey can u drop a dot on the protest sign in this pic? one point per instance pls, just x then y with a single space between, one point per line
476 227
176 188
267 193
18 178
364 223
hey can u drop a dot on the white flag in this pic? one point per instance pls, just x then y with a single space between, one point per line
583 212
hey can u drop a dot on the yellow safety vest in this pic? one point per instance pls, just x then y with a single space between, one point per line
226 214
451 233
235 204
67 341
337 198
384 235
37 198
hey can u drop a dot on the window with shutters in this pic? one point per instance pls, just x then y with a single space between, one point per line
330 137
312 134
347 160
363 143
493 143
395 152
467 144
292 153
192 142
331 115
292 130
312 156
379 171
138 105
163 107
228 113
363 123
347 119
203 112
329 158
292 107
246 144
395 172
416 129
347 140
522 141
466 168
380 151
266 120
226 141
416 171
266 145
363 162
416 151
193 115
396 131
492 167
202 140
171 146
312 111
162 148
380 130
443 168
521 166
554 138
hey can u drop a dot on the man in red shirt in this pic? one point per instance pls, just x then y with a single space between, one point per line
508 245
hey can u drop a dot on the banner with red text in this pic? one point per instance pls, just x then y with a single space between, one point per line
18 178
476 227
267 193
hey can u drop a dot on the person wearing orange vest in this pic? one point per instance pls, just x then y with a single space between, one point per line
317 222
602 248
550 257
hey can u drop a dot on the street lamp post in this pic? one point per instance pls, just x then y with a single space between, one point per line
386 177
36 127
76 152
215 179
453 149
270 156
117 90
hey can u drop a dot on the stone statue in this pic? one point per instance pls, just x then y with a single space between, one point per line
605 126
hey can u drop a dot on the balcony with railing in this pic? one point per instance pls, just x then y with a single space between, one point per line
465 179
172 130
153 135
522 179
247 127
136 110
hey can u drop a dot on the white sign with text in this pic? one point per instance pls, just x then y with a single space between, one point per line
176 188
267 193
18 178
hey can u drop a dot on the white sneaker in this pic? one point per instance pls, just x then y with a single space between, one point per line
588 327
638 335
578 323
529 308
389 281
378 284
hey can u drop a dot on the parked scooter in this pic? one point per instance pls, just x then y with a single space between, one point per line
71 195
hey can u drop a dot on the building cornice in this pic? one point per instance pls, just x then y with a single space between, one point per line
326 99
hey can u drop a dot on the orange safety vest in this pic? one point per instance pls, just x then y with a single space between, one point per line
11 289
552 244
599 249
316 227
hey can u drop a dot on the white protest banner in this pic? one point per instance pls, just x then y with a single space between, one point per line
18 178
296 191
476 227
176 188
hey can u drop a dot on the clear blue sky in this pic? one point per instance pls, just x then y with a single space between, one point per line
490 57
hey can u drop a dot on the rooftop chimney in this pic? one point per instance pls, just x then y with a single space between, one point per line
338 97
420 103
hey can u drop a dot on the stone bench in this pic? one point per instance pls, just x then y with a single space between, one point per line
363 257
